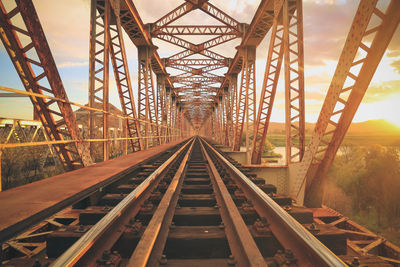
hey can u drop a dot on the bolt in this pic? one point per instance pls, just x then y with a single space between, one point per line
163 259
289 254
231 260
172 226
106 255
222 226
355 262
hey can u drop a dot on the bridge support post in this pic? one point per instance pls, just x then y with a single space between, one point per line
123 80
232 108
270 84
245 107
294 80
161 106
99 69
147 104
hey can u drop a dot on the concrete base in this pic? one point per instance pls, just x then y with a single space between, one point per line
276 175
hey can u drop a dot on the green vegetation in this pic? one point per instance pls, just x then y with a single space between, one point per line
25 165
364 184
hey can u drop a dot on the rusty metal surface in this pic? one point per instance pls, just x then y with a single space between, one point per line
53 115
28 204
241 241
103 235
287 230
159 221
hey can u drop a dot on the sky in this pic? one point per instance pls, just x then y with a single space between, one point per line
326 25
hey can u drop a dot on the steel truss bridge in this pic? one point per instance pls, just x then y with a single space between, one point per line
197 100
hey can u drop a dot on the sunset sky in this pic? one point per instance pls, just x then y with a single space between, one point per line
326 24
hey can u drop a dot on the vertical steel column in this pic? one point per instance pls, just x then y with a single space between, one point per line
294 79
168 114
270 83
225 115
146 101
99 68
173 117
161 106
233 108
245 113
123 80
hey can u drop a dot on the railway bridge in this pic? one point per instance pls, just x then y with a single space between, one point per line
176 177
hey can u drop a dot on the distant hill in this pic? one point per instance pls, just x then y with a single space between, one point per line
366 128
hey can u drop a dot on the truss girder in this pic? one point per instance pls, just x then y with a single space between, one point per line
99 69
147 105
175 14
349 84
268 92
218 14
292 12
196 62
37 74
123 82
162 105
196 30
245 106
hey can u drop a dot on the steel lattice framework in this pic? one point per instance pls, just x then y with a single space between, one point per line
198 98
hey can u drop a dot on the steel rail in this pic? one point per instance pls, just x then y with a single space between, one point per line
116 218
241 242
291 234
160 221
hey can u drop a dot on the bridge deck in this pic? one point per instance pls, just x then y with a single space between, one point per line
33 202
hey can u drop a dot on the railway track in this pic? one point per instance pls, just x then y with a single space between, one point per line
192 206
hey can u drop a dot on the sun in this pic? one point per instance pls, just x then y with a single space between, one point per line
387 109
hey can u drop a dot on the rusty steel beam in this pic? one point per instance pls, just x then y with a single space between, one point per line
349 84
254 34
197 79
218 14
136 30
245 106
196 62
191 49
162 105
173 15
196 30
147 105
71 155
294 79
99 68
123 80
270 83
233 108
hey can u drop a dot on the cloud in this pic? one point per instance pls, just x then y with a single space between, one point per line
396 65
381 91
69 64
